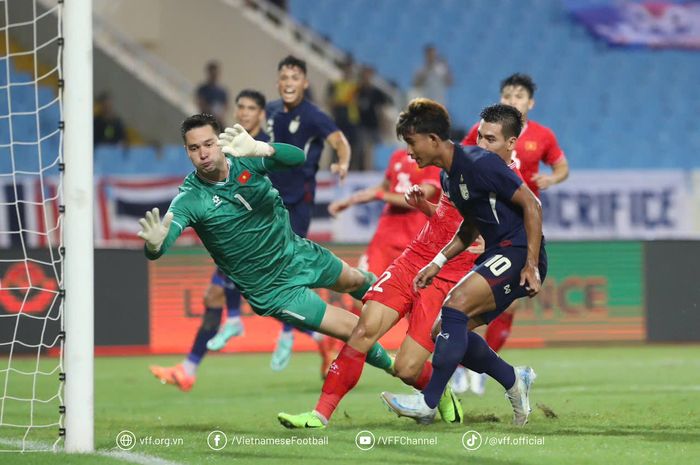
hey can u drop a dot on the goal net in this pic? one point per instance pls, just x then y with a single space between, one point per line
32 210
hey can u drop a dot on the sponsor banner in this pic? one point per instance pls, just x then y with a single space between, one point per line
593 292
656 24
620 205
589 205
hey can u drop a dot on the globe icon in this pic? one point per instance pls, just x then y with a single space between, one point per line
126 440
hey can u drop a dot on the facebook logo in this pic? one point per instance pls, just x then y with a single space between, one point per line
217 440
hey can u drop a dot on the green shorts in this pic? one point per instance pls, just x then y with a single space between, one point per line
290 298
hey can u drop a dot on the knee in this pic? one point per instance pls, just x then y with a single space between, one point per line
211 320
407 370
365 333
214 297
456 299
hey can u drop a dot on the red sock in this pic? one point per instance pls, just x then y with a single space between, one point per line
498 331
342 376
424 376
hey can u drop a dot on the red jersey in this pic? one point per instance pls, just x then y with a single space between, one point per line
535 144
435 235
398 226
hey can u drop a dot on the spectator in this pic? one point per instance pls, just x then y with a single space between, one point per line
370 100
212 98
106 125
434 78
341 97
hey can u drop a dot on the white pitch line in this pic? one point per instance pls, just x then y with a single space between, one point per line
125 456
136 457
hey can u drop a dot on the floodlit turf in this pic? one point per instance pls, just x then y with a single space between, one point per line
612 405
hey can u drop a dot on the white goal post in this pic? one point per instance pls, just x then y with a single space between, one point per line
78 348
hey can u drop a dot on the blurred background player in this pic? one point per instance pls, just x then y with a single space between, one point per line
399 222
250 107
536 144
211 97
294 120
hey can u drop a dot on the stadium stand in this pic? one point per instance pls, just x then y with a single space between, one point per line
610 107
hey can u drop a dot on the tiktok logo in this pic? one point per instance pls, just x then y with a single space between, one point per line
471 440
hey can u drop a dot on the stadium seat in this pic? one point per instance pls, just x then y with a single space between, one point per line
581 81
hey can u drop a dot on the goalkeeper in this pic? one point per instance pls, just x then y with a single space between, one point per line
240 218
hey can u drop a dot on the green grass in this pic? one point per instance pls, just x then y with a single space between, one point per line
612 405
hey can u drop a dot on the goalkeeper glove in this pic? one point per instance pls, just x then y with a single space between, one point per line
153 231
237 142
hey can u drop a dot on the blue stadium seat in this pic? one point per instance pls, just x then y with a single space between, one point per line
592 95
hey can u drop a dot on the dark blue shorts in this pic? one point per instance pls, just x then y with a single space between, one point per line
300 217
501 267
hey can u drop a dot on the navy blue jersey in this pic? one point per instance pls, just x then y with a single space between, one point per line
261 136
306 127
481 186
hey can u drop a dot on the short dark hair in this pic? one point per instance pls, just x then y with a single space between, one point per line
520 79
507 116
254 95
423 116
197 121
292 61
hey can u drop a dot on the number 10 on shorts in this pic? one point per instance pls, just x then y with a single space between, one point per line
498 264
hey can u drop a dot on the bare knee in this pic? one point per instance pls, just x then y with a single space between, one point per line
214 297
363 336
407 369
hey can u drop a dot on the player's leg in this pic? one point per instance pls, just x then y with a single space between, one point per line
300 220
233 326
361 347
497 332
353 281
184 374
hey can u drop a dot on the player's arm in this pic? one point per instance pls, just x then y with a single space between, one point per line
560 171
237 142
158 235
466 234
340 144
417 196
532 217
380 192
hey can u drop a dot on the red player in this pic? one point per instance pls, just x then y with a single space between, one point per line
399 222
535 144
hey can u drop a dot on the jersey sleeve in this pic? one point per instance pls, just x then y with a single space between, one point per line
286 156
554 153
470 138
495 176
183 208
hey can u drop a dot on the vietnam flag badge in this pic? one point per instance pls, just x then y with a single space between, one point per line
244 177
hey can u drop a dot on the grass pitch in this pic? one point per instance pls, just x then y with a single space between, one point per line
596 405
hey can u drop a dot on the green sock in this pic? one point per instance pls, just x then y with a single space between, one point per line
378 357
370 279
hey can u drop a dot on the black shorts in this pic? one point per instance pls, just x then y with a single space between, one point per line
501 267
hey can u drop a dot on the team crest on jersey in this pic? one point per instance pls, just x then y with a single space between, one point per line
463 188
294 125
531 145
217 200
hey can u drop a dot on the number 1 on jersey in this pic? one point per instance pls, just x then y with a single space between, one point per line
243 201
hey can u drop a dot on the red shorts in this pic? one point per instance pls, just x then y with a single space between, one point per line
394 288
377 258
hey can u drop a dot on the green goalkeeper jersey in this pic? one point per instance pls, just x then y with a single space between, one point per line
241 221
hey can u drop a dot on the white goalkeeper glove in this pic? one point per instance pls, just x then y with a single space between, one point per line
153 231
237 142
